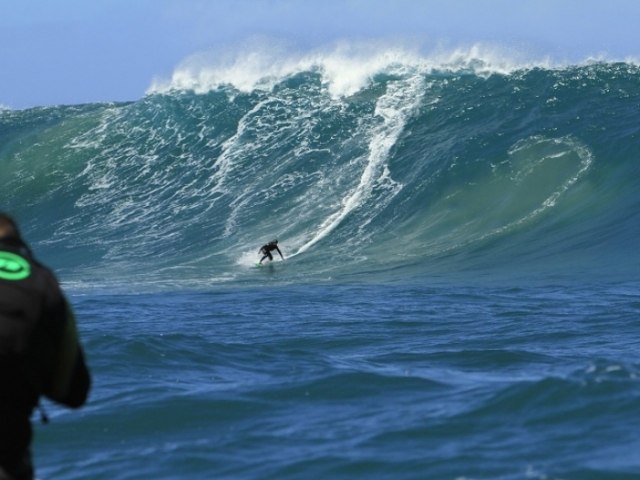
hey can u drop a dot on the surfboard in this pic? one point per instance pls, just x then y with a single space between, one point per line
264 264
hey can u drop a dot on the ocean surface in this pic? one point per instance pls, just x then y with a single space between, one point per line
460 297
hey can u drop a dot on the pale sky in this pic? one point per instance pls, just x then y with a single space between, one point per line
78 51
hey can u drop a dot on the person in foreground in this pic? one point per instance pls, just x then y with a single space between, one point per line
39 349
266 250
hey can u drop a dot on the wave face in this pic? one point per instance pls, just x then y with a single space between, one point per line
417 170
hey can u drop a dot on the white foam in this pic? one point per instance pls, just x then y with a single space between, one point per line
248 258
395 107
224 162
346 67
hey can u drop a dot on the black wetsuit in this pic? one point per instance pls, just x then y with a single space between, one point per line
39 353
267 249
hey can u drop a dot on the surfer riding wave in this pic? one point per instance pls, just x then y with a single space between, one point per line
266 250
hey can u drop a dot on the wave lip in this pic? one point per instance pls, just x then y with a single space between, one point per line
346 68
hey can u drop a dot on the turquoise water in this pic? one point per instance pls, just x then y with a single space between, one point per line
416 173
460 295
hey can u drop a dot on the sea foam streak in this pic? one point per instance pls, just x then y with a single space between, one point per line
395 106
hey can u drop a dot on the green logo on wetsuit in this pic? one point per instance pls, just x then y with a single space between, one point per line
13 267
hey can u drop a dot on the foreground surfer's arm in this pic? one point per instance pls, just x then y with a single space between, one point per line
280 253
71 381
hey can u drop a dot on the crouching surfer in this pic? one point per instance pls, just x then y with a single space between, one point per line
266 250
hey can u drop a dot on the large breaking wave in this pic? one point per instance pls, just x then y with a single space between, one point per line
371 166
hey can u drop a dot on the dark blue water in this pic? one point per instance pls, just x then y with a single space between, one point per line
353 381
459 298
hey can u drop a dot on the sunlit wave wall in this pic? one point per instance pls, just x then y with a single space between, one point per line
366 164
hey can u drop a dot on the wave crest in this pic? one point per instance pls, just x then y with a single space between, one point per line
346 67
